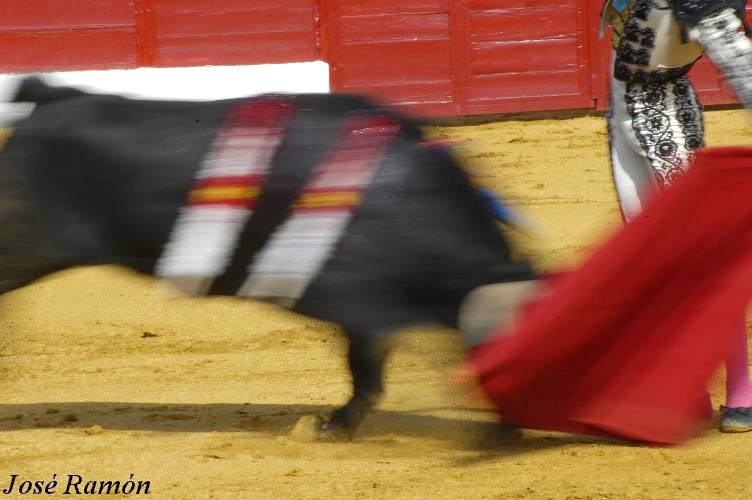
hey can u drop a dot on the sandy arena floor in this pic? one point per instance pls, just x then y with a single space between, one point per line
105 378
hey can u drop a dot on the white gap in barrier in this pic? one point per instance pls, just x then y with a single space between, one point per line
191 84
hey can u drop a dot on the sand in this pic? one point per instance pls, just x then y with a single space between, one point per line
106 377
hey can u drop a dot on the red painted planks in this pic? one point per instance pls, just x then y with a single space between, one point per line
527 53
550 84
523 57
430 56
414 53
230 49
519 4
523 104
705 77
414 94
393 27
204 6
147 32
22 51
530 24
38 35
382 7
395 72
500 53
710 84
173 23
64 14
396 51
201 32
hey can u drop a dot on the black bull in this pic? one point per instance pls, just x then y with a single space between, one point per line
92 179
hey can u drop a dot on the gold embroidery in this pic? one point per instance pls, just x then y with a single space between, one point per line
618 20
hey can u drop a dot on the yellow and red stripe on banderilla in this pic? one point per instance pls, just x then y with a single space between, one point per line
236 191
244 192
329 199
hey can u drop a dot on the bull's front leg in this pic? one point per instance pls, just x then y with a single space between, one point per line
366 358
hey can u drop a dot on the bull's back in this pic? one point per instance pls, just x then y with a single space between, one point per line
99 178
102 178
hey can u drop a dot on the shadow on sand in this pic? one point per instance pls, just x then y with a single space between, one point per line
488 438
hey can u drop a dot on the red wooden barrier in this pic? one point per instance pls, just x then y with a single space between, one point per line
433 57
392 48
463 56
211 32
527 54
66 34
38 35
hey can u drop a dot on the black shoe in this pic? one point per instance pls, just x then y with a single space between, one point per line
737 419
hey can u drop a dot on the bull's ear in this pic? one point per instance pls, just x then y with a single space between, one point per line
34 89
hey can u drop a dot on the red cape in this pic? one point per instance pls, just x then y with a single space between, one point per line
625 345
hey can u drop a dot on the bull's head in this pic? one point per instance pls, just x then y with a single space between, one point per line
492 308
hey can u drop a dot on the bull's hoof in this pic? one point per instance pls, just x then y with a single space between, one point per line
307 429
316 429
